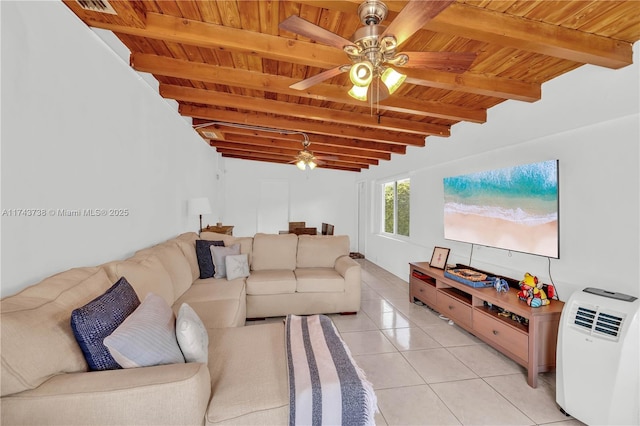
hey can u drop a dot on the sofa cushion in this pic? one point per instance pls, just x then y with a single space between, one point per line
271 282
321 250
145 275
274 251
176 394
187 243
43 322
213 289
96 320
219 255
221 313
192 335
246 243
146 337
237 266
248 375
174 261
218 302
318 280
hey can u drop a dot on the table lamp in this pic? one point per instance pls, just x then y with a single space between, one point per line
199 206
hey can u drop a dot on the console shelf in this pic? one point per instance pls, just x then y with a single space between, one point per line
531 342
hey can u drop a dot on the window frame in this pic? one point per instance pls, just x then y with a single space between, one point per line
383 189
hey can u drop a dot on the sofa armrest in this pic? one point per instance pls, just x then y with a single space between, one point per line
176 394
349 269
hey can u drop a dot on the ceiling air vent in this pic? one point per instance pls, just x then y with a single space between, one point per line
102 6
210 135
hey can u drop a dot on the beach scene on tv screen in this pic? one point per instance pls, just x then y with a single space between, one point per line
514 208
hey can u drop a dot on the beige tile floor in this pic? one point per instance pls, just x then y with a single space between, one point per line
428 372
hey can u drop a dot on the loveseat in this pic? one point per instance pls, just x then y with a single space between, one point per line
45 377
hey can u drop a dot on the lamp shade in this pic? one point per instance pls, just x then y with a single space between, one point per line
199 206
392 79
359 92
361 74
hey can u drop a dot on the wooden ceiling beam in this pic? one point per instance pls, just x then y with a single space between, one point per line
315 147
228 100
275 159
289 153
202 34
539 37
162 65
375 148
277 122
512 31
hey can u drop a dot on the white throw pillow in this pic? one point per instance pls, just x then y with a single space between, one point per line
218 254
237 266
192 335
147 336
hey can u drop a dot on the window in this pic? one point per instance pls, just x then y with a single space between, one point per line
396 207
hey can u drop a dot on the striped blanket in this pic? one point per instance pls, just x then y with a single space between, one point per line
326 387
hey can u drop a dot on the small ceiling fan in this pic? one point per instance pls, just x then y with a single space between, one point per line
373 48
306 158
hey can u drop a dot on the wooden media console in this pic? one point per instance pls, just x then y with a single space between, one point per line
530 343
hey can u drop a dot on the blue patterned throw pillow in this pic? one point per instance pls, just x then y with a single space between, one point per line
205 261
97 319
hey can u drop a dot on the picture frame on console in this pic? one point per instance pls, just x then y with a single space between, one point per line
439 257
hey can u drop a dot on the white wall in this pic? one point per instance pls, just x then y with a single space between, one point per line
315 196
82 130
589 120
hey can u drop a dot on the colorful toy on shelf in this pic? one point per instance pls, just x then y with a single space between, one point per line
531 291
500 284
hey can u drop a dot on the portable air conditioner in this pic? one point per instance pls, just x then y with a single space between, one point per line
597 371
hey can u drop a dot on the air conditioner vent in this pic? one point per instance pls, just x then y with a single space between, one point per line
102 6
584 317
608 324
592 320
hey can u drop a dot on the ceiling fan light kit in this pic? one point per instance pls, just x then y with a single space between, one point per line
305 158
373 47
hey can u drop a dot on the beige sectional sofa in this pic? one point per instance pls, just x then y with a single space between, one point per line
45 378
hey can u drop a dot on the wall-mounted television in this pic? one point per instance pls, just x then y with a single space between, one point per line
514 208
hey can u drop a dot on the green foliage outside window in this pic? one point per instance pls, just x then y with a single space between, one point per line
396 207
404 192
389 204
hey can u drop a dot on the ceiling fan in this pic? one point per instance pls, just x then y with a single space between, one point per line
306 158
373 48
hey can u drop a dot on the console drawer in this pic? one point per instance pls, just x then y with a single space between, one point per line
454 309
494 330
423 292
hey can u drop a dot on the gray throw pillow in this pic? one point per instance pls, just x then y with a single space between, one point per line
147 337
219 254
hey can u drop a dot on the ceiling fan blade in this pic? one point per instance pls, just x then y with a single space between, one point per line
413 17
454 62
297 25
311 81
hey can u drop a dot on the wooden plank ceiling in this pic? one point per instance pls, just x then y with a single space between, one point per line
228 62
